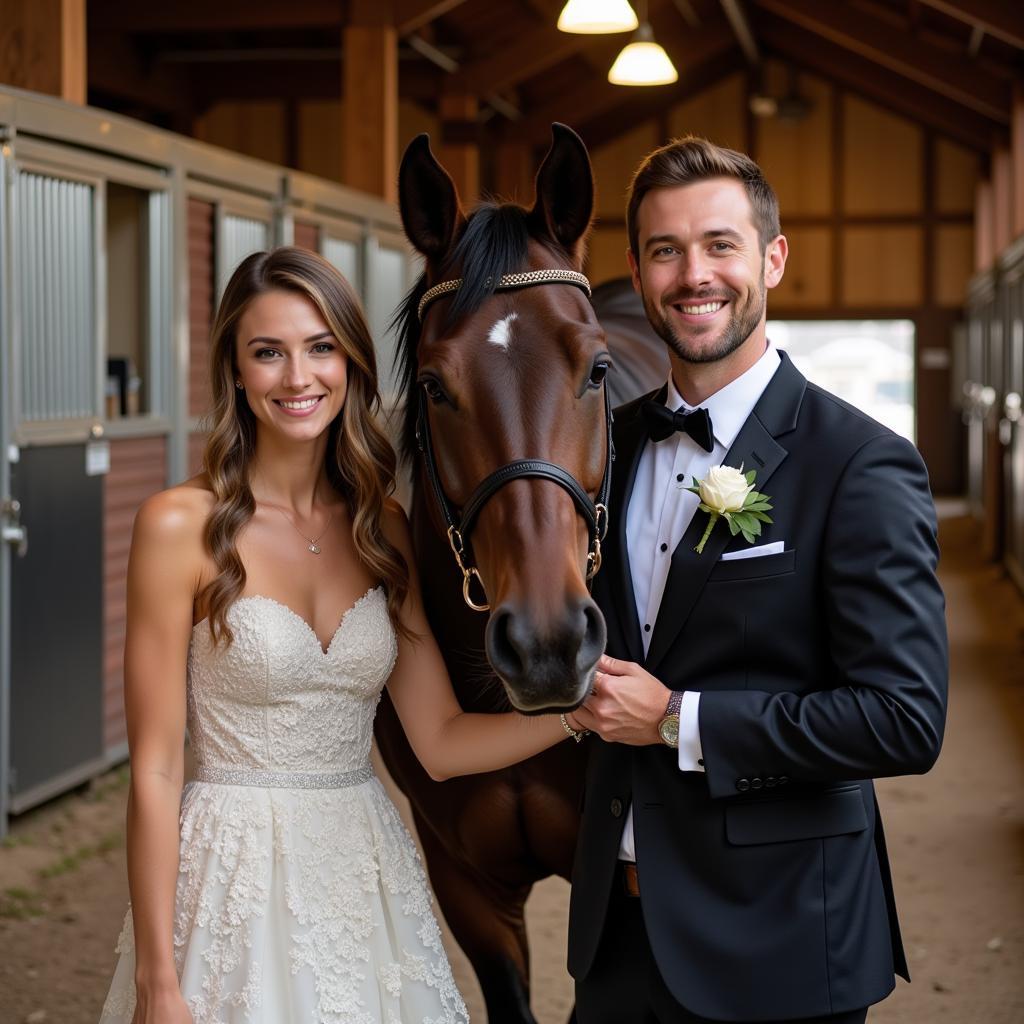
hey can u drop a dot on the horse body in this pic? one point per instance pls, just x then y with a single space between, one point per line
495 377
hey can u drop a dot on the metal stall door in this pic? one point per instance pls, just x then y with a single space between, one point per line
1011 426
389 271
56 684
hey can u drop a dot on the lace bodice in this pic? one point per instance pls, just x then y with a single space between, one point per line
275 700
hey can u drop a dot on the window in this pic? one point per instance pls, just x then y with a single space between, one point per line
868 363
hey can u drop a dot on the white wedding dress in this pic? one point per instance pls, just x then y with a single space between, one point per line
300 895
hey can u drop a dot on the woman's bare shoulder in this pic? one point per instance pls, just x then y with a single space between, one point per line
176 515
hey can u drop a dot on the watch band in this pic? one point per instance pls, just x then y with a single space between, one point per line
675 702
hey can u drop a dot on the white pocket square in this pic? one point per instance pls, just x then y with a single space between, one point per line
758 551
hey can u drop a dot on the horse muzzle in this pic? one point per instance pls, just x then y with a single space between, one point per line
546 667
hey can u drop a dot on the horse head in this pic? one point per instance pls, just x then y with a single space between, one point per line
504 366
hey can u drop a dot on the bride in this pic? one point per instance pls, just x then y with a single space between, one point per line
269 601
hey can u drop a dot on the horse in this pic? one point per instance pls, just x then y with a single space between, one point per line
507 425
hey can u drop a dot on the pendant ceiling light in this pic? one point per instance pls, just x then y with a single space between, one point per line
643 61
592 17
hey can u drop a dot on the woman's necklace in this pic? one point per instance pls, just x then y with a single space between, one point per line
311 543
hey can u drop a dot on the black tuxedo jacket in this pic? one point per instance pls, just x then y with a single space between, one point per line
764 883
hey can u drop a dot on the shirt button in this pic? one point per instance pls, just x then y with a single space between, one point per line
700 761
680 477
664 547
647 627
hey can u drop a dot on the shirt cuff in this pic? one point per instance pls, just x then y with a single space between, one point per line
691 756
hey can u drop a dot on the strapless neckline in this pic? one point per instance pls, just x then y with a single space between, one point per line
325 651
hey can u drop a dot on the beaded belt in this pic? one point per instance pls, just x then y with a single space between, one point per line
281 780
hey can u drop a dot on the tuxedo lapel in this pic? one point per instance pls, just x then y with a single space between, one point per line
630 437
755 448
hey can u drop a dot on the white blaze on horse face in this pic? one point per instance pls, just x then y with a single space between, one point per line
501 333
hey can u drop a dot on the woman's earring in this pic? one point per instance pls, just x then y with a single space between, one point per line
239 385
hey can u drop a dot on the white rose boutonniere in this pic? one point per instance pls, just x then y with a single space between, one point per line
729 494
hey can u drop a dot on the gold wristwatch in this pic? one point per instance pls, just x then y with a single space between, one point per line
668 727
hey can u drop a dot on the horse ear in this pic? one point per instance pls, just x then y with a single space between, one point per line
565 189
428 199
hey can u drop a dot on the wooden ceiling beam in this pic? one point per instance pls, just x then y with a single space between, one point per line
207 16
594 98
995 17
412 15
890 90
539 49
869 37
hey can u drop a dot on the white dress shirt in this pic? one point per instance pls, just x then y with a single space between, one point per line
660 510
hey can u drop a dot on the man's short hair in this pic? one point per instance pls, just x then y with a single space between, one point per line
690 159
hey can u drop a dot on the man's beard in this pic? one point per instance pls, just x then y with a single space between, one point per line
741 324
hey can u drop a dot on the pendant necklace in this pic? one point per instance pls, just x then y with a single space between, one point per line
311 543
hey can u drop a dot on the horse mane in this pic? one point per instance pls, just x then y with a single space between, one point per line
493 242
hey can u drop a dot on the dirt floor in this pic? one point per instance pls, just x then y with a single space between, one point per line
956 838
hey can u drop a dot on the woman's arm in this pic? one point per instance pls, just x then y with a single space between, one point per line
447 740
163 576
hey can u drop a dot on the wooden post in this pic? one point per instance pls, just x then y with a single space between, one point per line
514 172
1017 148
42 47
460 146
370 99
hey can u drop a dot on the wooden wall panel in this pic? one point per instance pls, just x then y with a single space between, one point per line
320 131
954 263
1002 198
307 236
200 303
606 256
984 229
806 284
796 156
257 129
882 266
957 171
718 113
883 161
614 165
138 469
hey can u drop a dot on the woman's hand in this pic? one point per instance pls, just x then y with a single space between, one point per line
161 1005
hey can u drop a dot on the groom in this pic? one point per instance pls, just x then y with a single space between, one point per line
731 864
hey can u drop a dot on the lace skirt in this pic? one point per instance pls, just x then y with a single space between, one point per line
299 905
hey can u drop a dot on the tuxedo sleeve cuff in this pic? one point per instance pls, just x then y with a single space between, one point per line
691 756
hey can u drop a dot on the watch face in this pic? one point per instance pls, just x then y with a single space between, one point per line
668 729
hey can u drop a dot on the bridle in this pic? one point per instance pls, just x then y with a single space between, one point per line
460 523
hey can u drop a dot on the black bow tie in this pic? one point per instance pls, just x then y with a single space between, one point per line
662 422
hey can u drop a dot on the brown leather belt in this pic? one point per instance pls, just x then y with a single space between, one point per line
630 879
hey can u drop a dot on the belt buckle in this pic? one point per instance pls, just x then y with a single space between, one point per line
630 879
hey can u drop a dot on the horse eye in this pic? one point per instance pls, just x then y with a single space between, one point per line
597 375
433 389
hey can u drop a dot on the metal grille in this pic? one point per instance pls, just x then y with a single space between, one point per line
388 274
343 253
54 279
240 236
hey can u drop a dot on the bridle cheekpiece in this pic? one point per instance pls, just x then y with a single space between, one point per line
459 523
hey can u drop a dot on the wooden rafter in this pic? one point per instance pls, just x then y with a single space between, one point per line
804 48
593 99
957 79
411 15
204 16
999 18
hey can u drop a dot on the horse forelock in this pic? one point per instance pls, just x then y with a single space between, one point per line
493 242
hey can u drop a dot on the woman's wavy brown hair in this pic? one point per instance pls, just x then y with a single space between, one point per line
360 462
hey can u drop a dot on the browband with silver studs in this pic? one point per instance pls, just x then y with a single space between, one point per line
507 283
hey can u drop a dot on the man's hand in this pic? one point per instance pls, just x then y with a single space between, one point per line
625 705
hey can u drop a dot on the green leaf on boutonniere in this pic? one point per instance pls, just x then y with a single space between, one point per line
733 498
